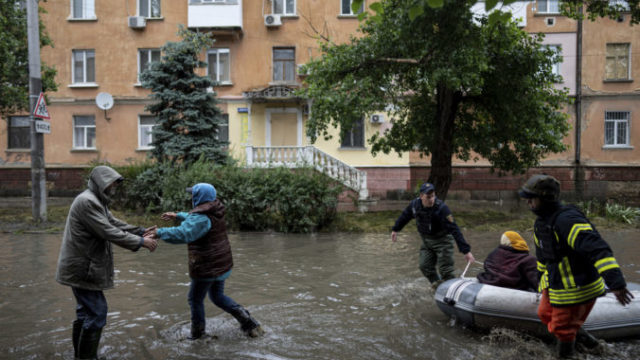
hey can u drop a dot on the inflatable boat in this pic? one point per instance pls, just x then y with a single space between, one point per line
484 307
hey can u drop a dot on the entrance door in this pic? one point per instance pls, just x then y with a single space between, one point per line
284 129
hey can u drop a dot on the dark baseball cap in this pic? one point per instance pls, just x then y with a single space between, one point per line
427 187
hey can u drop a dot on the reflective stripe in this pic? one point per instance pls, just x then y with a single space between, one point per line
567 275
541 267
535 240
576 295
573 234
605 264
544 281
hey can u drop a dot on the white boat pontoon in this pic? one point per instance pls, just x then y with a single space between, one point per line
486 306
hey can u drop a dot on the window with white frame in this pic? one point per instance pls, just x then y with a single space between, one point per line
145 131
149 8
145 58
283 7
84 66
84 132
284 64
548 7
19 132
345 8
219 65
83 9
616 128
617 62
223 129
557 50
354 138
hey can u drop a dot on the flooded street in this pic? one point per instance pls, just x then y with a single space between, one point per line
327 296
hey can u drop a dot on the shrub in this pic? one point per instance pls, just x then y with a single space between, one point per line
281 199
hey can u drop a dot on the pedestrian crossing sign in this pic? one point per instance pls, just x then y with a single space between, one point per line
41 110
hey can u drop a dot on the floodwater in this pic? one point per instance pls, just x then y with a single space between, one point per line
325 296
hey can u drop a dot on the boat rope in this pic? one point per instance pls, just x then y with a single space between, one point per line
465 269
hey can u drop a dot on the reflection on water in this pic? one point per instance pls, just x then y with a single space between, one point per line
337 296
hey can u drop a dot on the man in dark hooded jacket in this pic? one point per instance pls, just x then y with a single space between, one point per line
210 261
86 259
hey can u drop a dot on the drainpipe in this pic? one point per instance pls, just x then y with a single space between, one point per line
578 171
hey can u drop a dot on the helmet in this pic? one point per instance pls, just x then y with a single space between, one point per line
541 186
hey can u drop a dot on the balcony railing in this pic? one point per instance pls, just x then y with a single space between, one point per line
298 156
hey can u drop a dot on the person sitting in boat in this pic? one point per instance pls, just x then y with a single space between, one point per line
510 265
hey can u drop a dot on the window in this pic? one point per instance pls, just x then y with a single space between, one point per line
145 131
558 51
83 9
84 64
284 67
283 7
617 62
616 125
145 58
354 138
223 129
19 132
149 8
219 65
84 132
548 7
345 9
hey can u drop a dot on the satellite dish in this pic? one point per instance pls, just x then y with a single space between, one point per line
104 101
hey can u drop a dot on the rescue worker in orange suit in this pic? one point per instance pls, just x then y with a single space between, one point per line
574 263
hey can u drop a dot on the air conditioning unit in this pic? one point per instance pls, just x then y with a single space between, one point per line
302 71
137 22
377 119
272 20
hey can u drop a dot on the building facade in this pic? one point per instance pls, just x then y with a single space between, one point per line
101 47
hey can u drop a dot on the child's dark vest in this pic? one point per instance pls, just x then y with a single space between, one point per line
210 256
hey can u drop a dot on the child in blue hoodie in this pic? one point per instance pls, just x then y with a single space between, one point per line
204 231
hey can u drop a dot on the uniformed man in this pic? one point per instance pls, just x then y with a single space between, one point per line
438 231
574 263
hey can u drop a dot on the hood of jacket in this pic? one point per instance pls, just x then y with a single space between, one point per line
100 179
202 193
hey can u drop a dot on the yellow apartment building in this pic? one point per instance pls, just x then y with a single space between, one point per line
100 48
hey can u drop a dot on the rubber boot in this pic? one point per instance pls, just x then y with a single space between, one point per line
588 343
197 331
248 324
566 349
75 338
88 344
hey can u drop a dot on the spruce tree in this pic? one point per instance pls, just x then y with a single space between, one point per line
188 118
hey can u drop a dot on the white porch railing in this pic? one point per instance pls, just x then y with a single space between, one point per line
297 156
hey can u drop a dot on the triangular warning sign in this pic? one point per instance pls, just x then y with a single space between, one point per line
41 110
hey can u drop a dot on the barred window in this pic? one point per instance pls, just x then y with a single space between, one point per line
616 128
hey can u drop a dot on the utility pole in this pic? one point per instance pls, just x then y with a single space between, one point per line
38 179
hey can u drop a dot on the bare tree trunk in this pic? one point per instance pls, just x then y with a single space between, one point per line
441 170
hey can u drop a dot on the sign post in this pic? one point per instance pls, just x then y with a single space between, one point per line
38 176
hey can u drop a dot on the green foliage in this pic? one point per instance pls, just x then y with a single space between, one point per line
452 85
622 213
188 117
571 8
279 199
14 69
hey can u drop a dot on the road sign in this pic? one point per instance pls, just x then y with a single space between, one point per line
41 110
43 127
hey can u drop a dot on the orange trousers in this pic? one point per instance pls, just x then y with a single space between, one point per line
563 322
